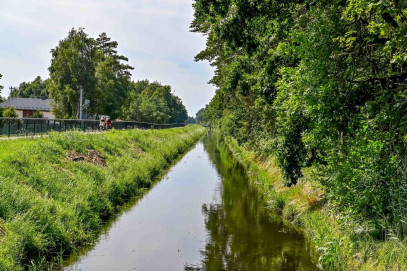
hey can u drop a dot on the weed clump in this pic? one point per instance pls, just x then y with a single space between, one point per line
138 150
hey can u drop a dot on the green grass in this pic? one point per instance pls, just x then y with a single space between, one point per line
50 205
340 243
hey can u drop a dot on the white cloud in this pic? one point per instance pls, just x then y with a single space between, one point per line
154 34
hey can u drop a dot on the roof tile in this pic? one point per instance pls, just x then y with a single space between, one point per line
28 104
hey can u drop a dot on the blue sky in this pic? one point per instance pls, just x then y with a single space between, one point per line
153 34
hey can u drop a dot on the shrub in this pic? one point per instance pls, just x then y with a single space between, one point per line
10 113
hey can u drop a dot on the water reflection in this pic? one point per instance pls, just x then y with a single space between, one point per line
203 215
241 235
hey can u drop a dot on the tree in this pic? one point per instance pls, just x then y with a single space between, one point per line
10 113
201 117
319 83
112 75
154 109
191 120
80 61
73 67
153 102
34 89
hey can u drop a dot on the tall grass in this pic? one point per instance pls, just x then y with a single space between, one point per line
52 203
342 244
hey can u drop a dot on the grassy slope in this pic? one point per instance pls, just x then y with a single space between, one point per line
342 246
50 205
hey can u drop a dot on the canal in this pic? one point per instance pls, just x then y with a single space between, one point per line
203 215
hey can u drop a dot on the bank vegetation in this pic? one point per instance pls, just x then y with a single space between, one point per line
320 86
56 193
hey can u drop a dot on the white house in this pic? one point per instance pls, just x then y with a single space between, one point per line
26 107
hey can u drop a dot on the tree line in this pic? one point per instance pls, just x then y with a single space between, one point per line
95 66
317 83
153 102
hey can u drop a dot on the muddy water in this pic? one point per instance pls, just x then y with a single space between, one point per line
203 215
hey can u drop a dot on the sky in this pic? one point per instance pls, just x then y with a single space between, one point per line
153 34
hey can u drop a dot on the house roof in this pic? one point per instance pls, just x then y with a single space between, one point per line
28 104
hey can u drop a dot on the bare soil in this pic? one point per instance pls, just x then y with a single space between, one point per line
91 156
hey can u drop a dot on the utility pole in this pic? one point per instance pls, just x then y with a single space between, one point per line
80 102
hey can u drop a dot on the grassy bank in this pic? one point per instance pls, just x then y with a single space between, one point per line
341 243
57 192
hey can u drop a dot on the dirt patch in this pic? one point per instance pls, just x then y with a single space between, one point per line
138 150
91 156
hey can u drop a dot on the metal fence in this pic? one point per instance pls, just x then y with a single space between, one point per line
30 126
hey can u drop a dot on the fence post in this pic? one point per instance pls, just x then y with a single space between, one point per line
8 127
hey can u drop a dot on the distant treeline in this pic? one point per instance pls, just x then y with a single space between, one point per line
153 102
80 61
201 116
35 89
321 83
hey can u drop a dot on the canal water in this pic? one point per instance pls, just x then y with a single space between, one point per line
203 215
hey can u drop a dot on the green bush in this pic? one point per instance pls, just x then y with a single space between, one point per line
38 114
10 113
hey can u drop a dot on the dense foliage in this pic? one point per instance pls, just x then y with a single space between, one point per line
80 61
318 83
200 116
34 89
191 120
94 65
153 102
10 113
57 192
